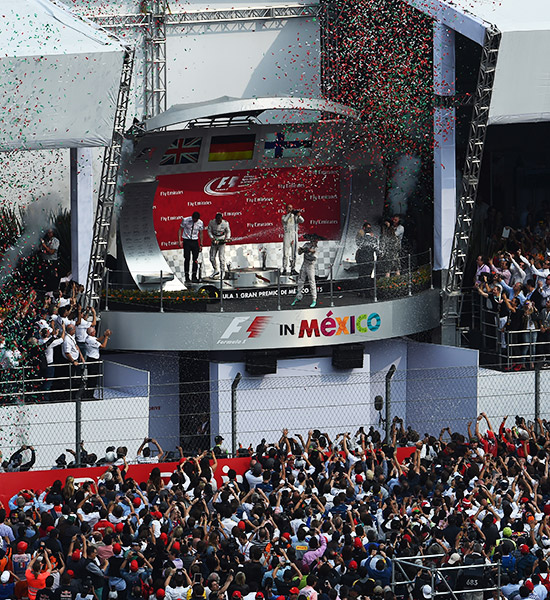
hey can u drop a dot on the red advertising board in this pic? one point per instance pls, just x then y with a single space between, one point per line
12 483
253 202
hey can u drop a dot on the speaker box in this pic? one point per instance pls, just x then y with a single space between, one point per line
347 356
261 362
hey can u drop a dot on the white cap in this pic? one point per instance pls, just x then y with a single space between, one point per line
5 577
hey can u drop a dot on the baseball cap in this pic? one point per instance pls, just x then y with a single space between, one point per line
76 555
259 595
427 591
529 585
117 548
5 577
22 547
136 501
294 590
524 549
286 535
357 542
176 547
134 566
160 593
119 527
507 532
352 564
454 558
236 594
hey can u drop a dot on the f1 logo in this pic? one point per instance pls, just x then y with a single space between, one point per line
234 327
256 327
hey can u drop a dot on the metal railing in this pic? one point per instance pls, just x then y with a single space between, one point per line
439 580
374 281
514 349
25 384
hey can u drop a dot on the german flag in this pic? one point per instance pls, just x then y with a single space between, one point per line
231 147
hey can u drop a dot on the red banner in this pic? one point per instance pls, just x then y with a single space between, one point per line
12 483
252 201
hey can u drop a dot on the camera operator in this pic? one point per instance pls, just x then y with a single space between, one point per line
291 221
49 255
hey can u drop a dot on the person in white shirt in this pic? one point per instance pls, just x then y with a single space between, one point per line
144 455
72 354
83 321
220 233
190 239
291 220
49 342
93 345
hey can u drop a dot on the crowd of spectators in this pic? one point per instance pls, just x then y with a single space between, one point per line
314 519
515 283
45 341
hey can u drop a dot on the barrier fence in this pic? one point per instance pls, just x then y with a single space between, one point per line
189 414
518 349
375 280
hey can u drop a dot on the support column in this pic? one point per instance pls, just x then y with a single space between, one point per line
444 140
82 211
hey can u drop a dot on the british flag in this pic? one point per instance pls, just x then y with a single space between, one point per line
182 151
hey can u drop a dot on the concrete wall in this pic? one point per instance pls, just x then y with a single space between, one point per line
304 393
441 387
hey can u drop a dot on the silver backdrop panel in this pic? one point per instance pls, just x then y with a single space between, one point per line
278 329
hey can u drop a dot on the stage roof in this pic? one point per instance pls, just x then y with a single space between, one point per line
522 82
59 78
226 106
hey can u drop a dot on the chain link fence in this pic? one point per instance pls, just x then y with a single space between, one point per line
189 414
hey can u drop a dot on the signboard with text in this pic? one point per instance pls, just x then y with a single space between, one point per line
253 202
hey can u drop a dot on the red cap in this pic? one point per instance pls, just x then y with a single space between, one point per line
286 536
119 527
357 542
547 509
529 585
134 566
407 537
524 549
70 572
241 525
163 537
76 555
157 514
359 479
176 546
259 595
26 495
136 501
50 528
160 593
352 564
524 500
236 594
294 590
22 547
117 548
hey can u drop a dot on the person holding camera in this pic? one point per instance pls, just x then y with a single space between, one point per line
144 455
49 255
291 220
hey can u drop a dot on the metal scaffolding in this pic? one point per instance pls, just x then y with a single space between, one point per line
471 174
155 59
206 17
108 187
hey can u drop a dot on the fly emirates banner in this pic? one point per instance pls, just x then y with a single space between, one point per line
252 201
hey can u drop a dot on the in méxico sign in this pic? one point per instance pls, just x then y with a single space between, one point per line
243 328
